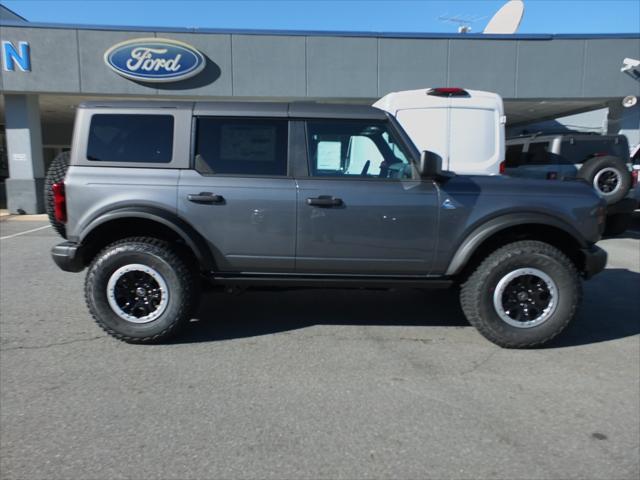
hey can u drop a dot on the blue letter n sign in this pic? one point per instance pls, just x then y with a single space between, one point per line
12 56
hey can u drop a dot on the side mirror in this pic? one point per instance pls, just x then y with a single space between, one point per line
430 164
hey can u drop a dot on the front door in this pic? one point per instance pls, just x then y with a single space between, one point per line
239 196
362 210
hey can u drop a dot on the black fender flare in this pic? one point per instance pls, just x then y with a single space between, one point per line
184 230
482 232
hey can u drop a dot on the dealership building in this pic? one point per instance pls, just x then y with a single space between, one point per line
546 81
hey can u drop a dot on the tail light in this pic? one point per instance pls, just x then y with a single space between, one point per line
634 177
502 168
448 92
59 202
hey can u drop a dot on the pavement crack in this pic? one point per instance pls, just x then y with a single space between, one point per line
48 345
480 363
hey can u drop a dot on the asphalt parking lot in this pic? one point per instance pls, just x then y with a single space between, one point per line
312 384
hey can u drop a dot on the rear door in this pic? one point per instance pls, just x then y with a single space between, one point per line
239 194
361 209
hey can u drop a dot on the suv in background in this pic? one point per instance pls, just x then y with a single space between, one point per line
601 160
160 196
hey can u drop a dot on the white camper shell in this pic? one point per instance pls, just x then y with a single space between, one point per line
464 127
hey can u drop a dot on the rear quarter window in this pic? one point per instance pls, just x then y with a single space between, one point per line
538 154
130 138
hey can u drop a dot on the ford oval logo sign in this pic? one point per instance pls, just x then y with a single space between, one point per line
154 60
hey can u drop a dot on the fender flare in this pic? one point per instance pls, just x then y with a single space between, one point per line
482 232
184 230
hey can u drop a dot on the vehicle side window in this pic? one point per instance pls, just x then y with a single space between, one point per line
130 138
514 155
241 146
538 154
355 148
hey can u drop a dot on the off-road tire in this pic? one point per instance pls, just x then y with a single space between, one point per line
476 296
591 167
181 281
55 174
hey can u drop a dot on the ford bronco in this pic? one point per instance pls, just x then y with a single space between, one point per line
156 198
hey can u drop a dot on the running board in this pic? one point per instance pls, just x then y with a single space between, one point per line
329 281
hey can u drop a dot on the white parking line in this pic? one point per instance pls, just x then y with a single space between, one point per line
25 232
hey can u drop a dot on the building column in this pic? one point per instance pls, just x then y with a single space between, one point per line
24 146
624 121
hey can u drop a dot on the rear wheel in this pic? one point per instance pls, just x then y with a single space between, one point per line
522 295
139 290
609 176
56 173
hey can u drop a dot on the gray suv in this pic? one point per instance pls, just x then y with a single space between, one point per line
157 199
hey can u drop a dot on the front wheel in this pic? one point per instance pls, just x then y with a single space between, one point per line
522 295
139 290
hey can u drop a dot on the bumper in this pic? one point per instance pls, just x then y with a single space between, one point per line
595 259
68 257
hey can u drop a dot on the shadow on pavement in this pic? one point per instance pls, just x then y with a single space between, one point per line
253 313
609 311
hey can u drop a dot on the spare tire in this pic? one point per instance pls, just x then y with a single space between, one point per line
55 174
609 176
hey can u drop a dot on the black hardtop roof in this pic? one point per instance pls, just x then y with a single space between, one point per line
249 109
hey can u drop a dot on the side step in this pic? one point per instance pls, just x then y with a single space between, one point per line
329 281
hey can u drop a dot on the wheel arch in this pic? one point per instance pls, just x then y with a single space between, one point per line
144 221
499 231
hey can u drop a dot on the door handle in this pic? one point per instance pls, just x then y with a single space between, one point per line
205 197
325 201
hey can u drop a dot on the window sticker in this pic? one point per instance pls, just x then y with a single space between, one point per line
328 157
254 143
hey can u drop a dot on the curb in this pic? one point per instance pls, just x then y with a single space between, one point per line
23 218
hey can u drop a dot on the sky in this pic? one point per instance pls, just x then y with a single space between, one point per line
541 16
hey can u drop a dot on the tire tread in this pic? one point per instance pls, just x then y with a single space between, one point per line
591 167
56 173
185 276
471 291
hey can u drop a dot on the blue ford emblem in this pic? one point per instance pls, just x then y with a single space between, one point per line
154 60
